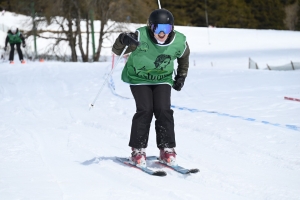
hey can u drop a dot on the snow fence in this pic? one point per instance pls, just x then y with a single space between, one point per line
286 67
252 64
290 66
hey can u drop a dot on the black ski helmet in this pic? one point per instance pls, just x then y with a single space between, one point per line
161 16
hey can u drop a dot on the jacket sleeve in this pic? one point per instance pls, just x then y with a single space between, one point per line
183 62
118 47
22 38
6 41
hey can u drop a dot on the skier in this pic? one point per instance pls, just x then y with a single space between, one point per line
14 37
149 72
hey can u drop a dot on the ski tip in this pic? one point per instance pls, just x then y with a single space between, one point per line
193 171
159 173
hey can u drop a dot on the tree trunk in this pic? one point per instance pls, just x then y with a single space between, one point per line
72 40
97 54
84 56
291 13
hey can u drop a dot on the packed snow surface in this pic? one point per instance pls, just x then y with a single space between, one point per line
231 122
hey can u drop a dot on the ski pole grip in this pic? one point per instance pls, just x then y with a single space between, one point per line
135 42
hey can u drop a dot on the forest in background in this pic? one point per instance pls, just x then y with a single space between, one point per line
70 15
253 14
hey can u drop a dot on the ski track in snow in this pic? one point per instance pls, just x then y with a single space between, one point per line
289 126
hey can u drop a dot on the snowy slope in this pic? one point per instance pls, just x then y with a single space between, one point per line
53 147
232 123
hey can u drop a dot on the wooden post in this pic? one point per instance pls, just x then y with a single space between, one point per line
249 62
292 65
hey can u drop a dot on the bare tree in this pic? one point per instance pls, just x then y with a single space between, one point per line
106 10
292 18
79 7
69 16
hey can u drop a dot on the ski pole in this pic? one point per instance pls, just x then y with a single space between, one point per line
110 73
159 6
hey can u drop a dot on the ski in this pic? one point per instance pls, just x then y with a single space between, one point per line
144 169
176 168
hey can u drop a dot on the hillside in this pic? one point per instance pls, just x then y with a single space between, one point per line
231 122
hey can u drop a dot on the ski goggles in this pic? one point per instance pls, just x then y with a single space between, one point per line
157 28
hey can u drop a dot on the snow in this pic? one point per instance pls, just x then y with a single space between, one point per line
231 122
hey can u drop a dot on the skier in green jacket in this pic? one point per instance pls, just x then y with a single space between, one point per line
14 37
149 71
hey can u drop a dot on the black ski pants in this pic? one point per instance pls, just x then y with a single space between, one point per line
12 51
149 100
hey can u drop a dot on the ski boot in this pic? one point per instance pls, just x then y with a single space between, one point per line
11 62
23 61
138 157
168 156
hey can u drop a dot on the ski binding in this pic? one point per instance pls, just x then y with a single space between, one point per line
176 168
144 169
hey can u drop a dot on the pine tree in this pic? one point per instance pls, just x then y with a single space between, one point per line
269 14
196 13
179 10
297 26
231 14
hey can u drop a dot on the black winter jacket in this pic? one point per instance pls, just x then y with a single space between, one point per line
7 38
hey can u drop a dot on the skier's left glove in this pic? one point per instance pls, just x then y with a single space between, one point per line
129 39
178 82
24 45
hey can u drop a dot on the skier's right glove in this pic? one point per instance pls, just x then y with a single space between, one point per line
5 48
178 82
24 45
129 39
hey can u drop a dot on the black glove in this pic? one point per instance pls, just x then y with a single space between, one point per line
129 39
179 82
24 45
5 48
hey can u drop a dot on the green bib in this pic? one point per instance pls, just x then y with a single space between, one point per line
153 63
14 38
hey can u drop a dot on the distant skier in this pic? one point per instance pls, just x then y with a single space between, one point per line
14 37
149 72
